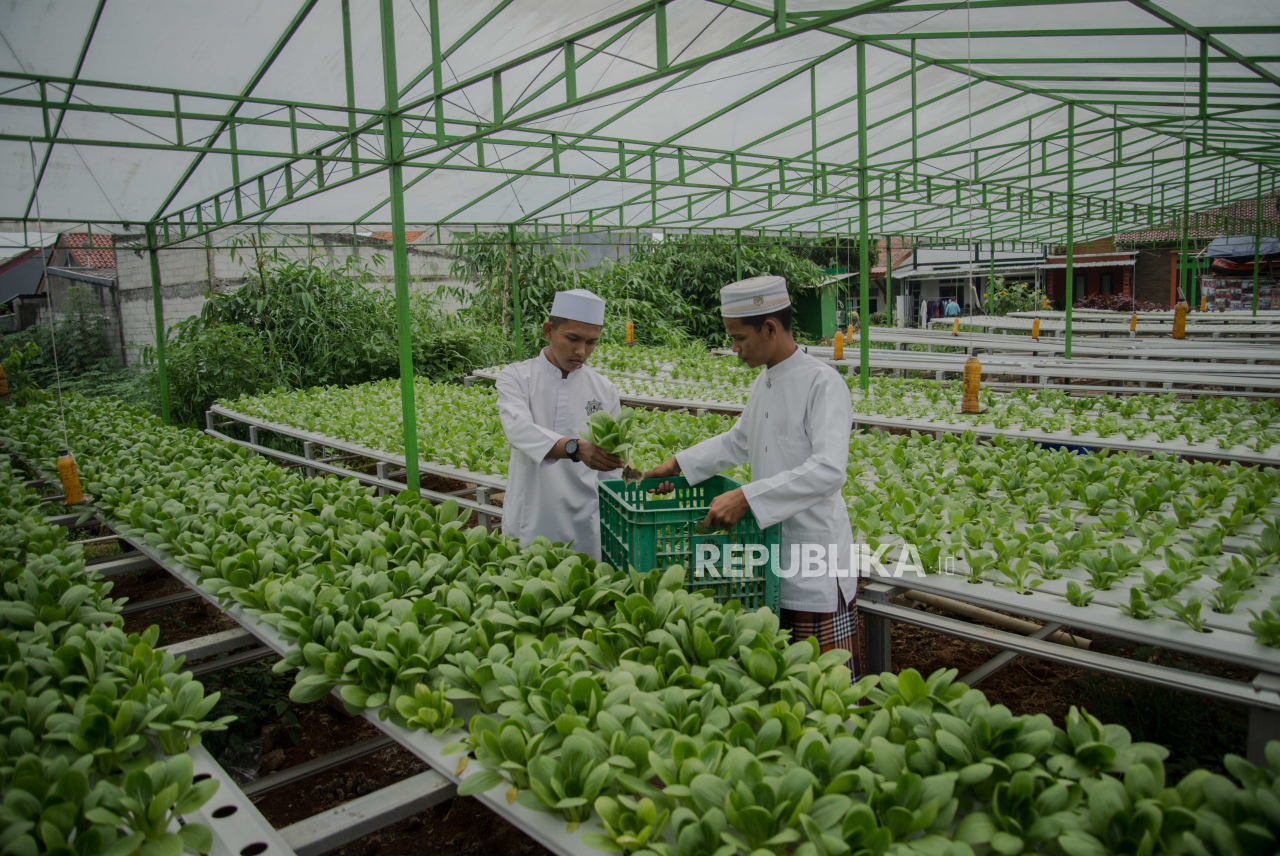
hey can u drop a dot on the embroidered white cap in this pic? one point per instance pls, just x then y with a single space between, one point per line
578 304
759 295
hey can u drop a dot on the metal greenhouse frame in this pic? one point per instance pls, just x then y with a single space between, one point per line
1005 121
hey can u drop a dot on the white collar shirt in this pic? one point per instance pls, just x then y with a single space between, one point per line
556 498
794 431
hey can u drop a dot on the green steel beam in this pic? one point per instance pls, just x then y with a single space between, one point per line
864 262
400 259
245 91
1071 220
1204 34
349 76
57 126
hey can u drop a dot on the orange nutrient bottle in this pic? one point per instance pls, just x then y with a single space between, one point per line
972 382
631 333
1180 320
839 349
70 477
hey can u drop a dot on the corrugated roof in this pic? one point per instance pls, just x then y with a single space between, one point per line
1206 224
90 258
409 237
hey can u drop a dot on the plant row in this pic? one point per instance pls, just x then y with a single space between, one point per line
670 723
1148 535
1193 540
457 426
1223 421
95 722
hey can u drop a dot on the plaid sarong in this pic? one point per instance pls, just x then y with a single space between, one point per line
837 629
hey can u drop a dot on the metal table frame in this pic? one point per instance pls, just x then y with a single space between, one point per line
1261 697
485 485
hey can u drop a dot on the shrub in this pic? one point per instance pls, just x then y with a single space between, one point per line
1011 297
670 289
207 362
80 337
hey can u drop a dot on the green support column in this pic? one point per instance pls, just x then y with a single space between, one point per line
1071 218
888 278
517 316
864 260
1257 242
1183 273
399 253
162 371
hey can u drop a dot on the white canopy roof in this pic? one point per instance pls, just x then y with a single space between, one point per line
638 113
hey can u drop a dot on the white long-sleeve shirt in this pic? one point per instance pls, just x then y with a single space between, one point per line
795 432
556 498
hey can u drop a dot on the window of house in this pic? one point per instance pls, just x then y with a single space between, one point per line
1104 284
1078 288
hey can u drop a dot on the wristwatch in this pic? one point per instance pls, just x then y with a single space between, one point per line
571 450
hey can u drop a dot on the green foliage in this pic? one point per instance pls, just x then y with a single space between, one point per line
207 362
84 704
258 699
84 362
670 289
612 435
1001 298
79 335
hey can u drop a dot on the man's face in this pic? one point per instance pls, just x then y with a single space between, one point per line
753 347
571 343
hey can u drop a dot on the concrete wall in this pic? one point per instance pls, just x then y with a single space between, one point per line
189 274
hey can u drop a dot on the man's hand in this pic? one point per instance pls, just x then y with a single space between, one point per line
726 510
598 459
662 471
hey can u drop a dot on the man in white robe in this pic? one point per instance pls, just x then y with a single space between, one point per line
544 404
794 431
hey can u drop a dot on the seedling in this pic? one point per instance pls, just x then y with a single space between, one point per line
1137 607
1076 596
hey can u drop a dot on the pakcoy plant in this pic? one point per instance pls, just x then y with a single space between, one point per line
750 740
86 708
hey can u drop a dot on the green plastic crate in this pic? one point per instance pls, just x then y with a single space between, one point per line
645 532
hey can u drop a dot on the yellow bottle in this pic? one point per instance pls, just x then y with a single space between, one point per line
1203 302
631 333
1133 322
972 382
1180 320
849 336
70 477
1035 329
839 351
955 327
1046 303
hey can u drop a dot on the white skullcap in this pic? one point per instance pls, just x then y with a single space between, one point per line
578 304
759 295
